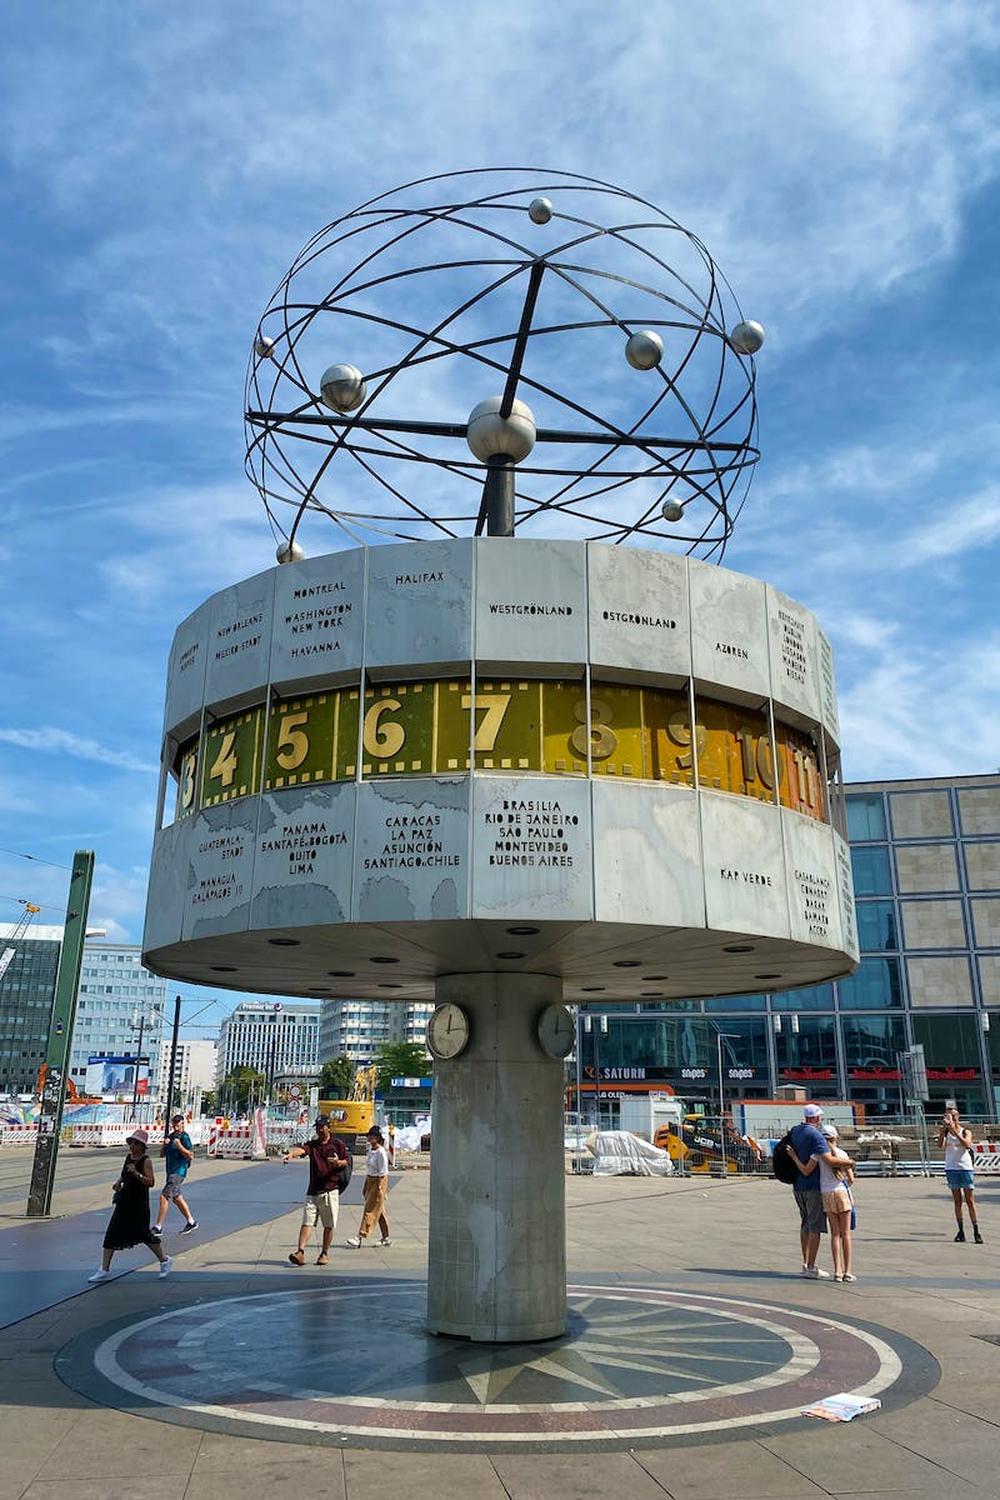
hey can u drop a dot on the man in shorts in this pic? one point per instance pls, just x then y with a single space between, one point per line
327 1159
807 1140
179 1152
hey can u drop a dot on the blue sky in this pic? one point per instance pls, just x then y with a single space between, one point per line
161 166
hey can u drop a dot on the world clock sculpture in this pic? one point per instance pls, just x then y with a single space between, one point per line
520 741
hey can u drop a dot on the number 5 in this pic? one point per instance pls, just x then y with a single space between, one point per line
293 744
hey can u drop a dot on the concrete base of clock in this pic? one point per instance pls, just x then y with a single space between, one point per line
497 1244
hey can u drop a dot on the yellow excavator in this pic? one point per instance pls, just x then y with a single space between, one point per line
352 1118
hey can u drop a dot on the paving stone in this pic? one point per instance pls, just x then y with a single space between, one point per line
131 1487
717 1471
377 1475
591 1476
113 1445
853 1460
321 1475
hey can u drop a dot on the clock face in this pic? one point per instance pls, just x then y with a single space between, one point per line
556 1031
448 1031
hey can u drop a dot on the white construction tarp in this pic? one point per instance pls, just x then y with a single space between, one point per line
618 1153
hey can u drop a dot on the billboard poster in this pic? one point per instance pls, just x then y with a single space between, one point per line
117 1075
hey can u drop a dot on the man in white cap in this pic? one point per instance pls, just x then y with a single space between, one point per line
807 1139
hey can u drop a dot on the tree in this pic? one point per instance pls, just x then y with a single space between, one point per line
336 1078
239 1086
208 1102
400 1060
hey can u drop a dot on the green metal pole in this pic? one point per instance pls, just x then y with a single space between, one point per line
50 1115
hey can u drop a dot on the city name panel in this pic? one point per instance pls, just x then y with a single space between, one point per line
610 765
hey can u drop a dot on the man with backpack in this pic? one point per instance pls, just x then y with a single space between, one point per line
806 1140
329 1173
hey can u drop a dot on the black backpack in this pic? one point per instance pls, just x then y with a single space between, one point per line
781 1162
345 1171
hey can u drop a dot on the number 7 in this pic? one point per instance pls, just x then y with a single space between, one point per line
494 707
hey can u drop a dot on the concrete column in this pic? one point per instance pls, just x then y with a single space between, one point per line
497 1254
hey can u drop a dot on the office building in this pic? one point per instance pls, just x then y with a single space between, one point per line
115 993
27 988
194 1070
276 1039
926 861
358 1028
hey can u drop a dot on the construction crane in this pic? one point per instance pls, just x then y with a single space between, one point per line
18 930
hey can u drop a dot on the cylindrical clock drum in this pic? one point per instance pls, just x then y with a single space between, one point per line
502 773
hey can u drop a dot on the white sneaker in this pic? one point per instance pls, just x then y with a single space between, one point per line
386 1241
355 1244
815 1274
164 1270
100 1276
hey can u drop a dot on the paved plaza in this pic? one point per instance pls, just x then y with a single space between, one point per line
692 1346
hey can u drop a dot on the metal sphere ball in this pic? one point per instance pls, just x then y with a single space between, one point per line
747 337
263 346
489 435
644 349
540 210
672 510
289 552
342 388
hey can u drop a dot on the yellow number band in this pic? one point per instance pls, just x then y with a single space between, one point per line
512 725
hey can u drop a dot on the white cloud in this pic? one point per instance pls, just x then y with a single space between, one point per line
63 742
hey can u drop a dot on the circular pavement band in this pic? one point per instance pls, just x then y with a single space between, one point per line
352 1363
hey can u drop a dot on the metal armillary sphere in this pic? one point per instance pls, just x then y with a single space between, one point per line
501 350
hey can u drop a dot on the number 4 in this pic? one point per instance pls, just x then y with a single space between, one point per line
226 761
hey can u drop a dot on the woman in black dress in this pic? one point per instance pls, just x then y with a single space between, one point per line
130 1220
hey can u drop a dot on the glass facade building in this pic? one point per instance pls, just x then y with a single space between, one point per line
926 860
26 993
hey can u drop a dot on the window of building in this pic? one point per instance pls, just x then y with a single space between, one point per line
814 997
810 1055
876 926
875 986
865 816
736 1003
872 875
871 1044
949 1042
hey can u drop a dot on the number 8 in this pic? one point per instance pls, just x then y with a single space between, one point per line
603 740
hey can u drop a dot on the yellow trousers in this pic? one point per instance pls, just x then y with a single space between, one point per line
376 1190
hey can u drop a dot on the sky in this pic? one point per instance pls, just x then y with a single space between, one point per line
160 168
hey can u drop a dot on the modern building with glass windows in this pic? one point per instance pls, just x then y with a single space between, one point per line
26 990
115 992
926 858
358 1028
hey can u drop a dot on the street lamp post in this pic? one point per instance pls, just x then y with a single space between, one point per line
273 1052
723 1036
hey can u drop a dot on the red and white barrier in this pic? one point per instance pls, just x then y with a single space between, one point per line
18 1135
98 1135
237 1141
986 1156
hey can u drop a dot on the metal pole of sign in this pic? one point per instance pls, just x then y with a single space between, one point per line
53 1099
172 1075
722 1109
138 1064
578 1077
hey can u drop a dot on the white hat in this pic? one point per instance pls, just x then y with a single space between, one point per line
812 1112
830 1131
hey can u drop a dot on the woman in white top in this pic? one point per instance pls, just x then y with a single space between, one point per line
376 1191
835 1177
956 1139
